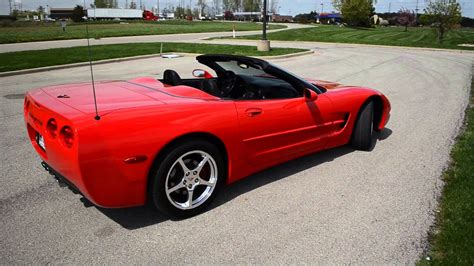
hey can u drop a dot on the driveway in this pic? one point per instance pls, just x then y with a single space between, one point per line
337 206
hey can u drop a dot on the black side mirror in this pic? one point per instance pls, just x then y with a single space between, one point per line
310 95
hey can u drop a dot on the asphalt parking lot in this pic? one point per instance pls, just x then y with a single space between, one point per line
338 206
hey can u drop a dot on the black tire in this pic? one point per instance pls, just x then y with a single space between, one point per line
364 127
162 168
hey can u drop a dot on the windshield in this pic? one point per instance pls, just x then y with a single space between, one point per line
240 68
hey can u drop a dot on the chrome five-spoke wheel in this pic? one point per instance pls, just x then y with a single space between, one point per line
191 179
187 177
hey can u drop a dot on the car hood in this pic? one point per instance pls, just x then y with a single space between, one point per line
328 85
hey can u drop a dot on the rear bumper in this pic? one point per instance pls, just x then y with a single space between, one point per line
61 179
88 167
113 197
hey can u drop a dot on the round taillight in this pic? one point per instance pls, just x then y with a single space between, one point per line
52 127
67 136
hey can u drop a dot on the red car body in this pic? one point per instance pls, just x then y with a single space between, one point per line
109 160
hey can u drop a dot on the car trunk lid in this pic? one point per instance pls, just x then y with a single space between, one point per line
114 95
110 96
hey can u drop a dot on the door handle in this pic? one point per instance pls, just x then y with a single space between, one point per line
253 111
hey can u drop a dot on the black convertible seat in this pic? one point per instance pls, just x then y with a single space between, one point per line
210 86
172 78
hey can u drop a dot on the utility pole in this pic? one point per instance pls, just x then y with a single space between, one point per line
389 6
10 1
322 7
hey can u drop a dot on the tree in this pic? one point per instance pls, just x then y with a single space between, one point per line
228 15
78 14
337 4
133 5
196 12
443 15
179 12
106 3
232 5
251 5
100 3
424 20
274 6
216 7
406 18
227 5
40 10
202 5
355 12
306 17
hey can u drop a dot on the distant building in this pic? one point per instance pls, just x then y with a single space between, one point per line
250 16
329 18
281 18
59 13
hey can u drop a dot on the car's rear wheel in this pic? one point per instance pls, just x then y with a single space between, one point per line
187 178
364 128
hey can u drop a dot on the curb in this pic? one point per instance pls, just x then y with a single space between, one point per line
283 56
243 40
49 68
116 60
460 51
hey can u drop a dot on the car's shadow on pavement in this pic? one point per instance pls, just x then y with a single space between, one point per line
138 217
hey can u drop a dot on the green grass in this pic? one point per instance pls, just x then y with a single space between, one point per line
60 56
415 37
454 244
52 31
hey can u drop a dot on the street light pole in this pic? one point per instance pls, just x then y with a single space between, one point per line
263 45
84 8
416 13
264 35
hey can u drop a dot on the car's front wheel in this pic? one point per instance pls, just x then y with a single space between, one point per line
364 128
187 178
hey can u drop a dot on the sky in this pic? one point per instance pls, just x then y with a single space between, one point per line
286 7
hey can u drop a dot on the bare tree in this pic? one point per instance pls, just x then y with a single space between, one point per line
337 4
274 6
227 5
406 18
202 6
251 5
216 6
443 15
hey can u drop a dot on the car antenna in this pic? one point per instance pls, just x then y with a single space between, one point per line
97 117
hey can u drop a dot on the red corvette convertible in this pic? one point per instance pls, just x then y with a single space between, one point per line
175 142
